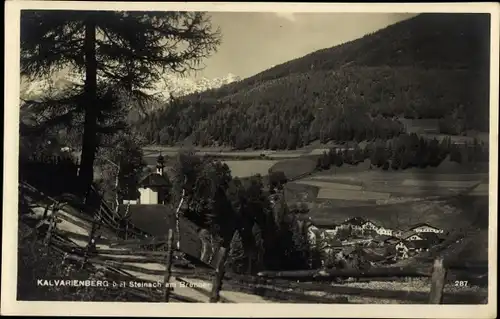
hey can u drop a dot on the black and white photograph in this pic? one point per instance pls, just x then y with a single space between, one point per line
242 154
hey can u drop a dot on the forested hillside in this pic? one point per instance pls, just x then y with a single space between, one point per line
430 66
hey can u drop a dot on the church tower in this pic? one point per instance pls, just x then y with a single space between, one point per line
160 165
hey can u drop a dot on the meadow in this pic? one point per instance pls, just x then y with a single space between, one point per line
342 192
247 168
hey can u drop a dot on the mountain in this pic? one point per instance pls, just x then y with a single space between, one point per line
170 84
430 66
179 86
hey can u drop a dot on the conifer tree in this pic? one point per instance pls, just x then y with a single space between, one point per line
128 51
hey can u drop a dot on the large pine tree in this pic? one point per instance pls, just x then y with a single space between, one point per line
126 51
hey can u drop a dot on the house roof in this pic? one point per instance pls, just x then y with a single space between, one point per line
358 221
157 219
324 224
422 224
417 244
382 238
369 221
392 238
430 236
154 179
408 233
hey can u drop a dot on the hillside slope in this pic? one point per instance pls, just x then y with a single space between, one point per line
430 66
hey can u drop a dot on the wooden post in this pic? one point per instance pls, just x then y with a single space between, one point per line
437 282
219 275
52 225
52 222
168 265
90 243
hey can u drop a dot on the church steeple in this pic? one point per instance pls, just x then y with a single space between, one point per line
160 164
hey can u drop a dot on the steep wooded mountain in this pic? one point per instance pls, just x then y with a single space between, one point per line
430 66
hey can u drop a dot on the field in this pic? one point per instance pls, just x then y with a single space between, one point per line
295 168
446 214
391 198
248 168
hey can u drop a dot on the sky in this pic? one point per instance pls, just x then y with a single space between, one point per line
255 41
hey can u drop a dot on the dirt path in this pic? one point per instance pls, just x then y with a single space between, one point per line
74 228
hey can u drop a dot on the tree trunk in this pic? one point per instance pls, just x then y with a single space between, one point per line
117 198
89 144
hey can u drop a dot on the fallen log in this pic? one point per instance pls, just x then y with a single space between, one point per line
129 252
406 295
279 295
131 259
329 274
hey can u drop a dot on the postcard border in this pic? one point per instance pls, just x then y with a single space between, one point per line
9 305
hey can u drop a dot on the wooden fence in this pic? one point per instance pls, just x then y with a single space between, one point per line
100 248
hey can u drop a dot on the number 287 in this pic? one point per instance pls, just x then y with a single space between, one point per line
461 283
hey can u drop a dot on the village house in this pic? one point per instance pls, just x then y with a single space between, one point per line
361 224
368 225
397 233
391 240
431 237
353 242
410 236
381 240
425 228
418 246
312 235
402 250
384 231
329 228
356 223
405 249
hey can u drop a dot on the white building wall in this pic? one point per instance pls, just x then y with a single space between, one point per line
148 196
427 229
414 237
384 231
311 236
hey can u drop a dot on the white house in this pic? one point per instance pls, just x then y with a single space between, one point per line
410 236
312 232
426 228
418 246
368 225
384 231
356 223
402 250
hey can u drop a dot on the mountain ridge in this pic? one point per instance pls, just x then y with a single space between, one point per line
429 66
170 84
